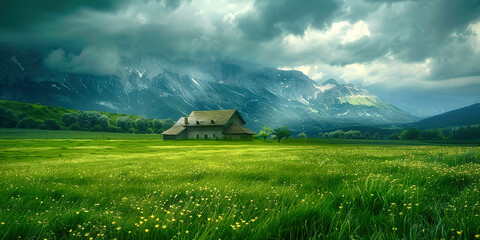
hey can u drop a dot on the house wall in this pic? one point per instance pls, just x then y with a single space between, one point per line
212 132
181 135
169 137
245 137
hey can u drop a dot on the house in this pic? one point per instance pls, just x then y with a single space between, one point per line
217 124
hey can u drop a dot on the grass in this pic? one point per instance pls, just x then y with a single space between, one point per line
18 133
131 187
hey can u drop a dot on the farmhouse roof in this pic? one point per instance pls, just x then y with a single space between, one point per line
237 129
211 118
216 118
175 130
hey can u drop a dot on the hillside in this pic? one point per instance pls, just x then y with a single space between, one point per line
31 115
461 117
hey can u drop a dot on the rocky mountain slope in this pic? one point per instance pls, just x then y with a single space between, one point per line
157 88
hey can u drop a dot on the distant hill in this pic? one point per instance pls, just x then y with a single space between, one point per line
34 115
461 117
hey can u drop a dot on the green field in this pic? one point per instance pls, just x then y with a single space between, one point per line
80 186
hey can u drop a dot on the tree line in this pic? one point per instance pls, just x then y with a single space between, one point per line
85 121
462 133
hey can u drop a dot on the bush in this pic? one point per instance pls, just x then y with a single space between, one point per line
69 119
302 135
7 119
115 129
29 122
96 128
75 127
51 124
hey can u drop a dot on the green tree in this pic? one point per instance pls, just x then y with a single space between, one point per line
69 119
265 132
141 124
394 136
88 119
282 132
51 124
7 118
367 135
104 122
124 123
157 125
411 134
432 134
337 134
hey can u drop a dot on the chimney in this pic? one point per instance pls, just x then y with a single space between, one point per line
186 120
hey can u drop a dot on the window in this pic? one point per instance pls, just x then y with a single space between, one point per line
206 136
214 135
198 136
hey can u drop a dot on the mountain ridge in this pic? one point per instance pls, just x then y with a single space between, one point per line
157 88
466 116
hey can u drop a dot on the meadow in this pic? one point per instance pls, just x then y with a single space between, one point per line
73 185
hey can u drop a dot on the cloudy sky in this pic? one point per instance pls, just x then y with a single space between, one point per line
407 52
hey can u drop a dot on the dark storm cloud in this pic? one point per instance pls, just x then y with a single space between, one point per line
331 33
416 30
272 18
22 13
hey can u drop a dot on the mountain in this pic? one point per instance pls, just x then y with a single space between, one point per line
157 88
461 117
